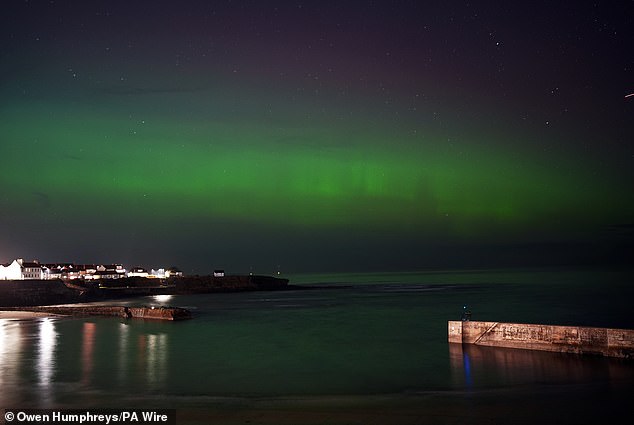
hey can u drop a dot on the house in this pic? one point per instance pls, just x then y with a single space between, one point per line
21 270
72 273
31 269
106 274
52 273
87 271
157 273
138 272
56 270
104 271
173 271
116 268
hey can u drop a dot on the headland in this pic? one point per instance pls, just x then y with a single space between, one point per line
19 293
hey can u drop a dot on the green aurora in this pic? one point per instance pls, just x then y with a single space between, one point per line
86 160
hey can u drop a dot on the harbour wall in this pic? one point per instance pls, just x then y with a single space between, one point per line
563 339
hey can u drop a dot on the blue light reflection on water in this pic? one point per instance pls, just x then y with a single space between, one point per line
467 370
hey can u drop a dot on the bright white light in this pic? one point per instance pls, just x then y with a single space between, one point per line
162 298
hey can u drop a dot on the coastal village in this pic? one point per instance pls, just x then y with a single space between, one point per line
20 269
28 284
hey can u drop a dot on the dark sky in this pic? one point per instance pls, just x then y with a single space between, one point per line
317 136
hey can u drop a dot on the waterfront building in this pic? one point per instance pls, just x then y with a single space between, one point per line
158 273
21 270
31 269
112 271
173 271
56 270
138 272
11 271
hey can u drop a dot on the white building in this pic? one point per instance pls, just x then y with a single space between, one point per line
56 270
52 273
173 271
11 271
21 270
138 272
157 273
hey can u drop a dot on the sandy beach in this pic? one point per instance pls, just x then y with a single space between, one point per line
25 314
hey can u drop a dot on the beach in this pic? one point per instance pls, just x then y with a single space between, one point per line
24 314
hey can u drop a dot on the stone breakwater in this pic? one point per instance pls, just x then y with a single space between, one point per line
563 339
156 313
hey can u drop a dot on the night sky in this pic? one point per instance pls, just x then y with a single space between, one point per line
317 136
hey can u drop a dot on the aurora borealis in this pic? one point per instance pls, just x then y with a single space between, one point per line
316 135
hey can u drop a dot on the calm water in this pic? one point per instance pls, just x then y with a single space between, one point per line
375 335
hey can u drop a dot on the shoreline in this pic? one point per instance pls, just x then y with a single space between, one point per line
87 310
439 407
7 314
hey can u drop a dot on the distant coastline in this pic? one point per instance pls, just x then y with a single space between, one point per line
16 293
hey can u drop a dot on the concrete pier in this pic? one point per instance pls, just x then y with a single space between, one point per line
563 339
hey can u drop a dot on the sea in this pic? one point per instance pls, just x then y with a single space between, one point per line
347 348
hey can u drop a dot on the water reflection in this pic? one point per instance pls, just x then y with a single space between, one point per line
122 370
152 359
156 359
11 347
478 366
46 358
87 351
